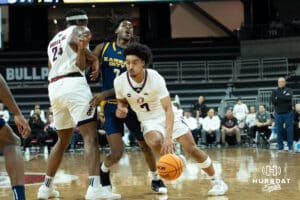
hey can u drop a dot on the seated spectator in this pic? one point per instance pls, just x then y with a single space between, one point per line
37 131
192 124
37 110
4 114
263 121
240 111
297 122
211 127
230 127
200 108
251 120
50 131
76 137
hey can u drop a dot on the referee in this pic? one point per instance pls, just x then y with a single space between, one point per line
282 101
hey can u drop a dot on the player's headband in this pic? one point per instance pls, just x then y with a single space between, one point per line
77 17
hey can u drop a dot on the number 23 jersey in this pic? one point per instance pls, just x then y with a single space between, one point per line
145 99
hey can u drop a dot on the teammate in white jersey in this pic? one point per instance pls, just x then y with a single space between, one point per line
69 95
146 92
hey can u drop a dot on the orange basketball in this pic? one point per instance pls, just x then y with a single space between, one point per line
169 167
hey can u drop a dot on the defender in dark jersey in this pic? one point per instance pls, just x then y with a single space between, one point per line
112 64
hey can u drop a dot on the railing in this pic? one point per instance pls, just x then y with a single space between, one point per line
263 98
223 70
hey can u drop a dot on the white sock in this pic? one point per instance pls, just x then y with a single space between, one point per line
94 181
155 176
48 181
104 168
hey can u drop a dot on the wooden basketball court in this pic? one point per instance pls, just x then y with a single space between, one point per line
250 174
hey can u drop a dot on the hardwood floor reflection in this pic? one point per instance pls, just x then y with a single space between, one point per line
250 174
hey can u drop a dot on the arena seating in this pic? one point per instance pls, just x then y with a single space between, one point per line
188 78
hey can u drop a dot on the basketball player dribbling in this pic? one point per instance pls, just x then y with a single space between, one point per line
10 142
112 64
146 92
69 95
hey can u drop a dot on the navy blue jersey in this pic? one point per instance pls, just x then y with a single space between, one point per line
113 64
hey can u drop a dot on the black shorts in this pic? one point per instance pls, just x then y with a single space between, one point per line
2 123
114 125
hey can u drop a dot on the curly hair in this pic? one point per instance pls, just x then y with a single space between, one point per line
140 50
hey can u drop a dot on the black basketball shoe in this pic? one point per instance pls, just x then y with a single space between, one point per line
158 186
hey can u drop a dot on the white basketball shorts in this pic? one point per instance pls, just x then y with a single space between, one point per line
70 97
159 125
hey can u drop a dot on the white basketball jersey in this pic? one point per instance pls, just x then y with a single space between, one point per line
61 56
144 100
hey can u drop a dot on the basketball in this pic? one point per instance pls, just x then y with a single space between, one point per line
170 167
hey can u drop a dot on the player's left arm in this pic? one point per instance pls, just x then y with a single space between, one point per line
168 146
7 98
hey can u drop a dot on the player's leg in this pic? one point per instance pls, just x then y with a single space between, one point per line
154 140
47 190
114 131
188 144
134 127
64 125
9 145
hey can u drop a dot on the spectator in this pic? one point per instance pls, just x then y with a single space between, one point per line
37 110
251 121
4 114
263 121
76 137
251 117
192 124
230 127
200 108
50 131
240 111
297 122
282 101
37 130
211 128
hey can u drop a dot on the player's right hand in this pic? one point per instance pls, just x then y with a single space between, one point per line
23 126
84 41
121 112
95 101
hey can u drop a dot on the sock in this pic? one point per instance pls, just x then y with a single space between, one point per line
94 181
48 181
155 176
19 192
104 168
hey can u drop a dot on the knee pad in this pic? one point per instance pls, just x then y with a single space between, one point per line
206 163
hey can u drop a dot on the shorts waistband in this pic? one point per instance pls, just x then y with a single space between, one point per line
73 74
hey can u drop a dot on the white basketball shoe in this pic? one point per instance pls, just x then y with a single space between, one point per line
47 192
219 188
95 193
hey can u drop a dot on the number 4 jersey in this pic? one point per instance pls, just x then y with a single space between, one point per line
144 98
61 56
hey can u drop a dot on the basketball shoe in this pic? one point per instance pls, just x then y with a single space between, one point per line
47 192
158 186
95 193
218 188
